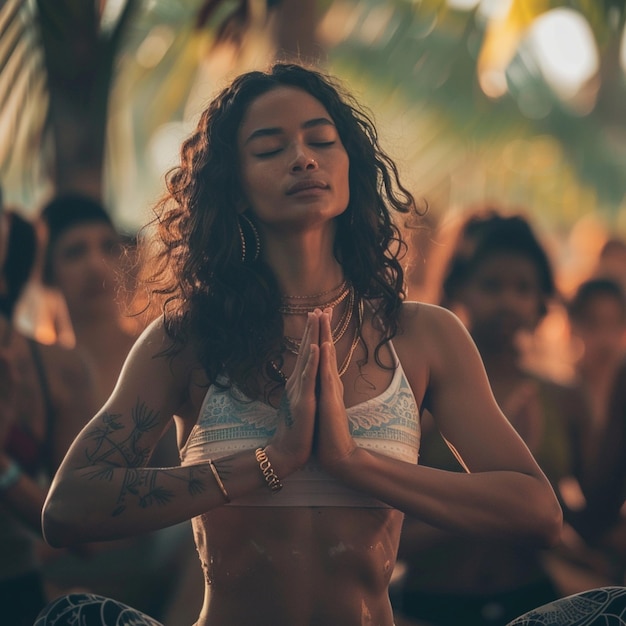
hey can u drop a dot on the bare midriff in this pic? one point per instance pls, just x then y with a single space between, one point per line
297 566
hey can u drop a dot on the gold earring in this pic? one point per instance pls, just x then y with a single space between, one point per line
242 238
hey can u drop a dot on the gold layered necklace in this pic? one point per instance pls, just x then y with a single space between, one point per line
340 328
339 294
297 305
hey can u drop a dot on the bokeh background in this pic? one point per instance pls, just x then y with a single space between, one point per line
517 102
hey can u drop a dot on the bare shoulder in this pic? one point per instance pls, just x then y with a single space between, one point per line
157 357
444 345
429 340
430 323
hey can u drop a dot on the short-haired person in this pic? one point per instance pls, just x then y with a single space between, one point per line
597 316
84 260
294 373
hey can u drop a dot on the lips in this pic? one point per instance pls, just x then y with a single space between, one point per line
305 185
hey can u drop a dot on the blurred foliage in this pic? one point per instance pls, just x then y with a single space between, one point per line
432 55
78 75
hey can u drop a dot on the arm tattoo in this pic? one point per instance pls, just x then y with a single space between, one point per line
129 448
284 410
141 485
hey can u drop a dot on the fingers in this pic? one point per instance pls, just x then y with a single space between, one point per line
310 336
328 358
317 333
307 361
326 333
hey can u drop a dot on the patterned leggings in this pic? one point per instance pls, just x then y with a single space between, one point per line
88 609
605 606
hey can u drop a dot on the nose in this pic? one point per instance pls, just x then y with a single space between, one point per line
303 161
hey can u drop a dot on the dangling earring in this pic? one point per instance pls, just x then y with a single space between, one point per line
242 238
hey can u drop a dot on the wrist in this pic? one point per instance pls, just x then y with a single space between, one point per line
284 463
267 469
341 466
10 473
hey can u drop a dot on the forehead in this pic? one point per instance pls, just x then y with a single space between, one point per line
603 303
85 232
280 108
506 263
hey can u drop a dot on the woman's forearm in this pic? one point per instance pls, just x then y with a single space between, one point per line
505 504
101 503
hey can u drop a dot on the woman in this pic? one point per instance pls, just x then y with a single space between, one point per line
499 280
46 394
294 373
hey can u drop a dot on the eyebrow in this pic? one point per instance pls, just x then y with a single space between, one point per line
272 131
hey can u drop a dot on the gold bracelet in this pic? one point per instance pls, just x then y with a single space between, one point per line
218 480
272 480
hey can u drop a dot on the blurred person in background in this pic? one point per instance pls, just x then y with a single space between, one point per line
41 311
84 260
597 317
612 261
44 393
597 314
499 280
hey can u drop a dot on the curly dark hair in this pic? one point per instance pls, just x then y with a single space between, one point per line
228 308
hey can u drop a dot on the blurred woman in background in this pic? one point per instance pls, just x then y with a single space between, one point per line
499 280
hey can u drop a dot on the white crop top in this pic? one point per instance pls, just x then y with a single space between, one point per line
230 422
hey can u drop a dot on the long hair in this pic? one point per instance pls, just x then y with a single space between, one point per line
228 307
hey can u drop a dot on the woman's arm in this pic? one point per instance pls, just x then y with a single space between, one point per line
103 489
503 494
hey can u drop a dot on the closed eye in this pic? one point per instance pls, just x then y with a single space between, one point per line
269 153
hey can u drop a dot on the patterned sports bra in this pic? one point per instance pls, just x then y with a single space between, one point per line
230 422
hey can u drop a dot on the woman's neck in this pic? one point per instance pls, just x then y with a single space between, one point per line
304 265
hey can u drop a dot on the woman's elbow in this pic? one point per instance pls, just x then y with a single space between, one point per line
57 529
64 523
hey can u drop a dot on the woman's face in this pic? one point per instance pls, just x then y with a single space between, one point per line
84 263
294 167
502 296
601 329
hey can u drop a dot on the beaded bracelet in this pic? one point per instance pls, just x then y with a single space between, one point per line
218 480
272 480
10 476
